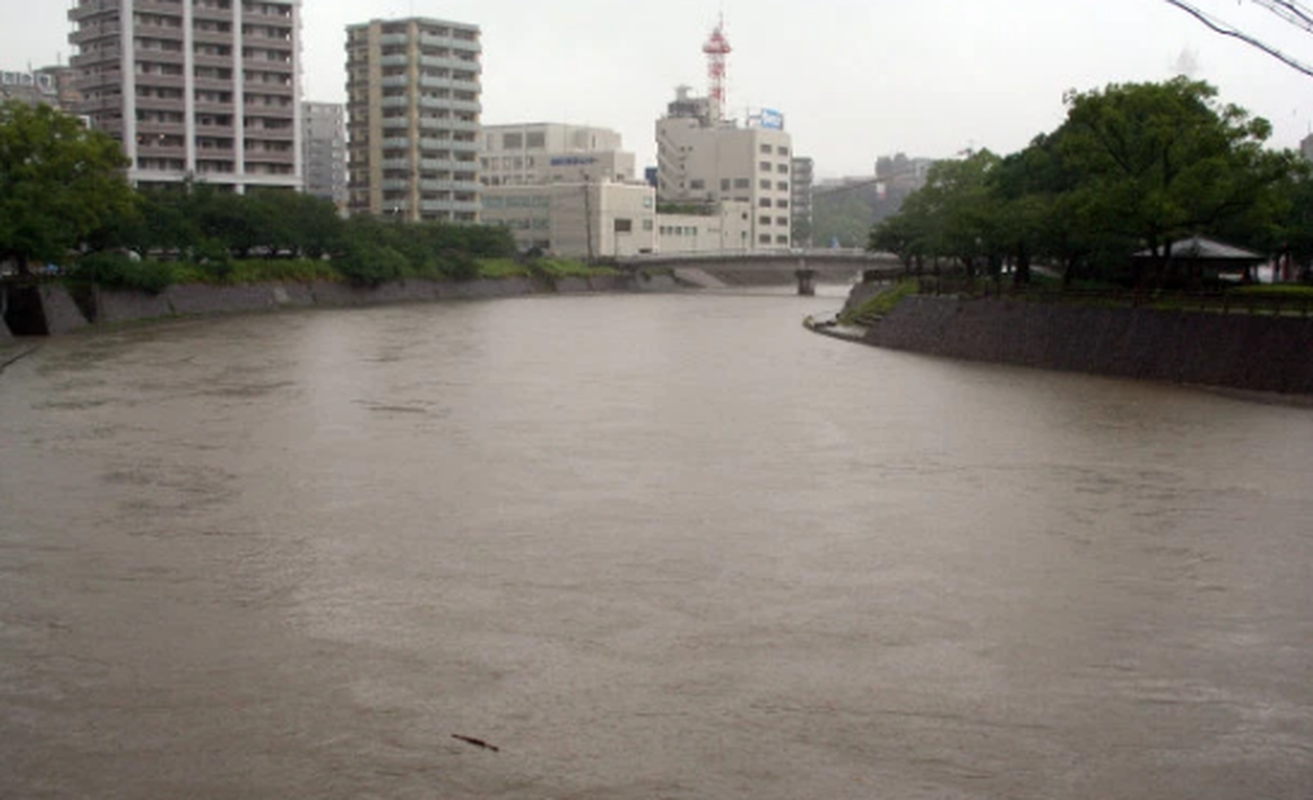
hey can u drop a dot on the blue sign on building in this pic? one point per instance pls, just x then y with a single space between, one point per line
772 119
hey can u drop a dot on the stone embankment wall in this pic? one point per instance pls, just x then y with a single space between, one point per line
105 306
1250 352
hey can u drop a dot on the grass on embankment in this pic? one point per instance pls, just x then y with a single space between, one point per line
878 306
550 267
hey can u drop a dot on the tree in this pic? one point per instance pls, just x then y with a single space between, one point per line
60 184
1163 161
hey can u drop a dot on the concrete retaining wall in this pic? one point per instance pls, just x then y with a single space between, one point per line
63 314
1257 353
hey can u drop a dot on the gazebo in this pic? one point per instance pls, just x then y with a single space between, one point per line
1204 258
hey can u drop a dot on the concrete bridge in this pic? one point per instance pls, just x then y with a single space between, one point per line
804 265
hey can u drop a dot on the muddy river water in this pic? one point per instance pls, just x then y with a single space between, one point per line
638 547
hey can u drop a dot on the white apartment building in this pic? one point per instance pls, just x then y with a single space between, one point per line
704 162
553 152
413 119
205 90
577 220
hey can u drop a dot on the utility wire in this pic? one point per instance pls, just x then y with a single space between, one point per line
1226 30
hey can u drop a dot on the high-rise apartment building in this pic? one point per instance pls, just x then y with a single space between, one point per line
701 160
324 151
205 90
413 119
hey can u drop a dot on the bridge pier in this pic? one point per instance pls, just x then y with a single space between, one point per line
806 281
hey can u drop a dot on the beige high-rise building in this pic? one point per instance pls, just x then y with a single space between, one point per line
703 161
413 119
205 90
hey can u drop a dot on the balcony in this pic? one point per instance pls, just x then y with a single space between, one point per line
95 105
94 32
88 10
103 55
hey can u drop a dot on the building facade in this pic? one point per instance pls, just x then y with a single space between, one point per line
324 151
704 162
577 220
550 152
205 90
726 228
804 172
414 90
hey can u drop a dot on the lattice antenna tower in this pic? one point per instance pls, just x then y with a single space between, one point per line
717 49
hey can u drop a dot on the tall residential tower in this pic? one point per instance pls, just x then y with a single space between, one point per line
205 90
413 119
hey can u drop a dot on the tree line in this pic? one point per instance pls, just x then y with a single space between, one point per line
1132 168
64 200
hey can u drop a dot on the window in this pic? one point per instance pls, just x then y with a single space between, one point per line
765 149
764 166
697 184
764 202
535 140
783 169
724 184
781 203
624 225
512 141
742 183
783 186
784 151
783 222
764 238
647 224
764 185
763 220
781 240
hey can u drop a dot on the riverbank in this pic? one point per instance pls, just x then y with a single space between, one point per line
1251 353
53 308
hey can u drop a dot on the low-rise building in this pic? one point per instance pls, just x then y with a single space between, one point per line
726 227
579 220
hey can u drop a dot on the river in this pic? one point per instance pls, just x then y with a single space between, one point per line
613 547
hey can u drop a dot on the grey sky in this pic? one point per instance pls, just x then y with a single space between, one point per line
855 78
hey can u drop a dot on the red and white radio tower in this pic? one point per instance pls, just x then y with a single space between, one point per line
716 48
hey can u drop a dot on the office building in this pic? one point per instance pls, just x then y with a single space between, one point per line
551 152
703 160
324 151
204 90
577 220
568 190
413 119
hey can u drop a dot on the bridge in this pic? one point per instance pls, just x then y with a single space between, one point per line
804 265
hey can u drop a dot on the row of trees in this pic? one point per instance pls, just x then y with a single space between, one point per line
1133 166
64 199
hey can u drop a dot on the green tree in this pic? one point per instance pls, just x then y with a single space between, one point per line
60 184
1160 161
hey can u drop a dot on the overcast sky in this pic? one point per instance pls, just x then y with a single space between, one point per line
855 79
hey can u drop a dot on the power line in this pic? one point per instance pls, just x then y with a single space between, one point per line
1291 11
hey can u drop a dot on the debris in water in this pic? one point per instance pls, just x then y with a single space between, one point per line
477 742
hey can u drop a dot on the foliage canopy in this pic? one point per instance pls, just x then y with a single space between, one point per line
1133 166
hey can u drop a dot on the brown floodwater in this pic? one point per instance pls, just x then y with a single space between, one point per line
638 547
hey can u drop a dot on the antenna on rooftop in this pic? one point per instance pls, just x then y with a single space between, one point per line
716 49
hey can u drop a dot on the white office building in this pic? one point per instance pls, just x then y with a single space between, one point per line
700 161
